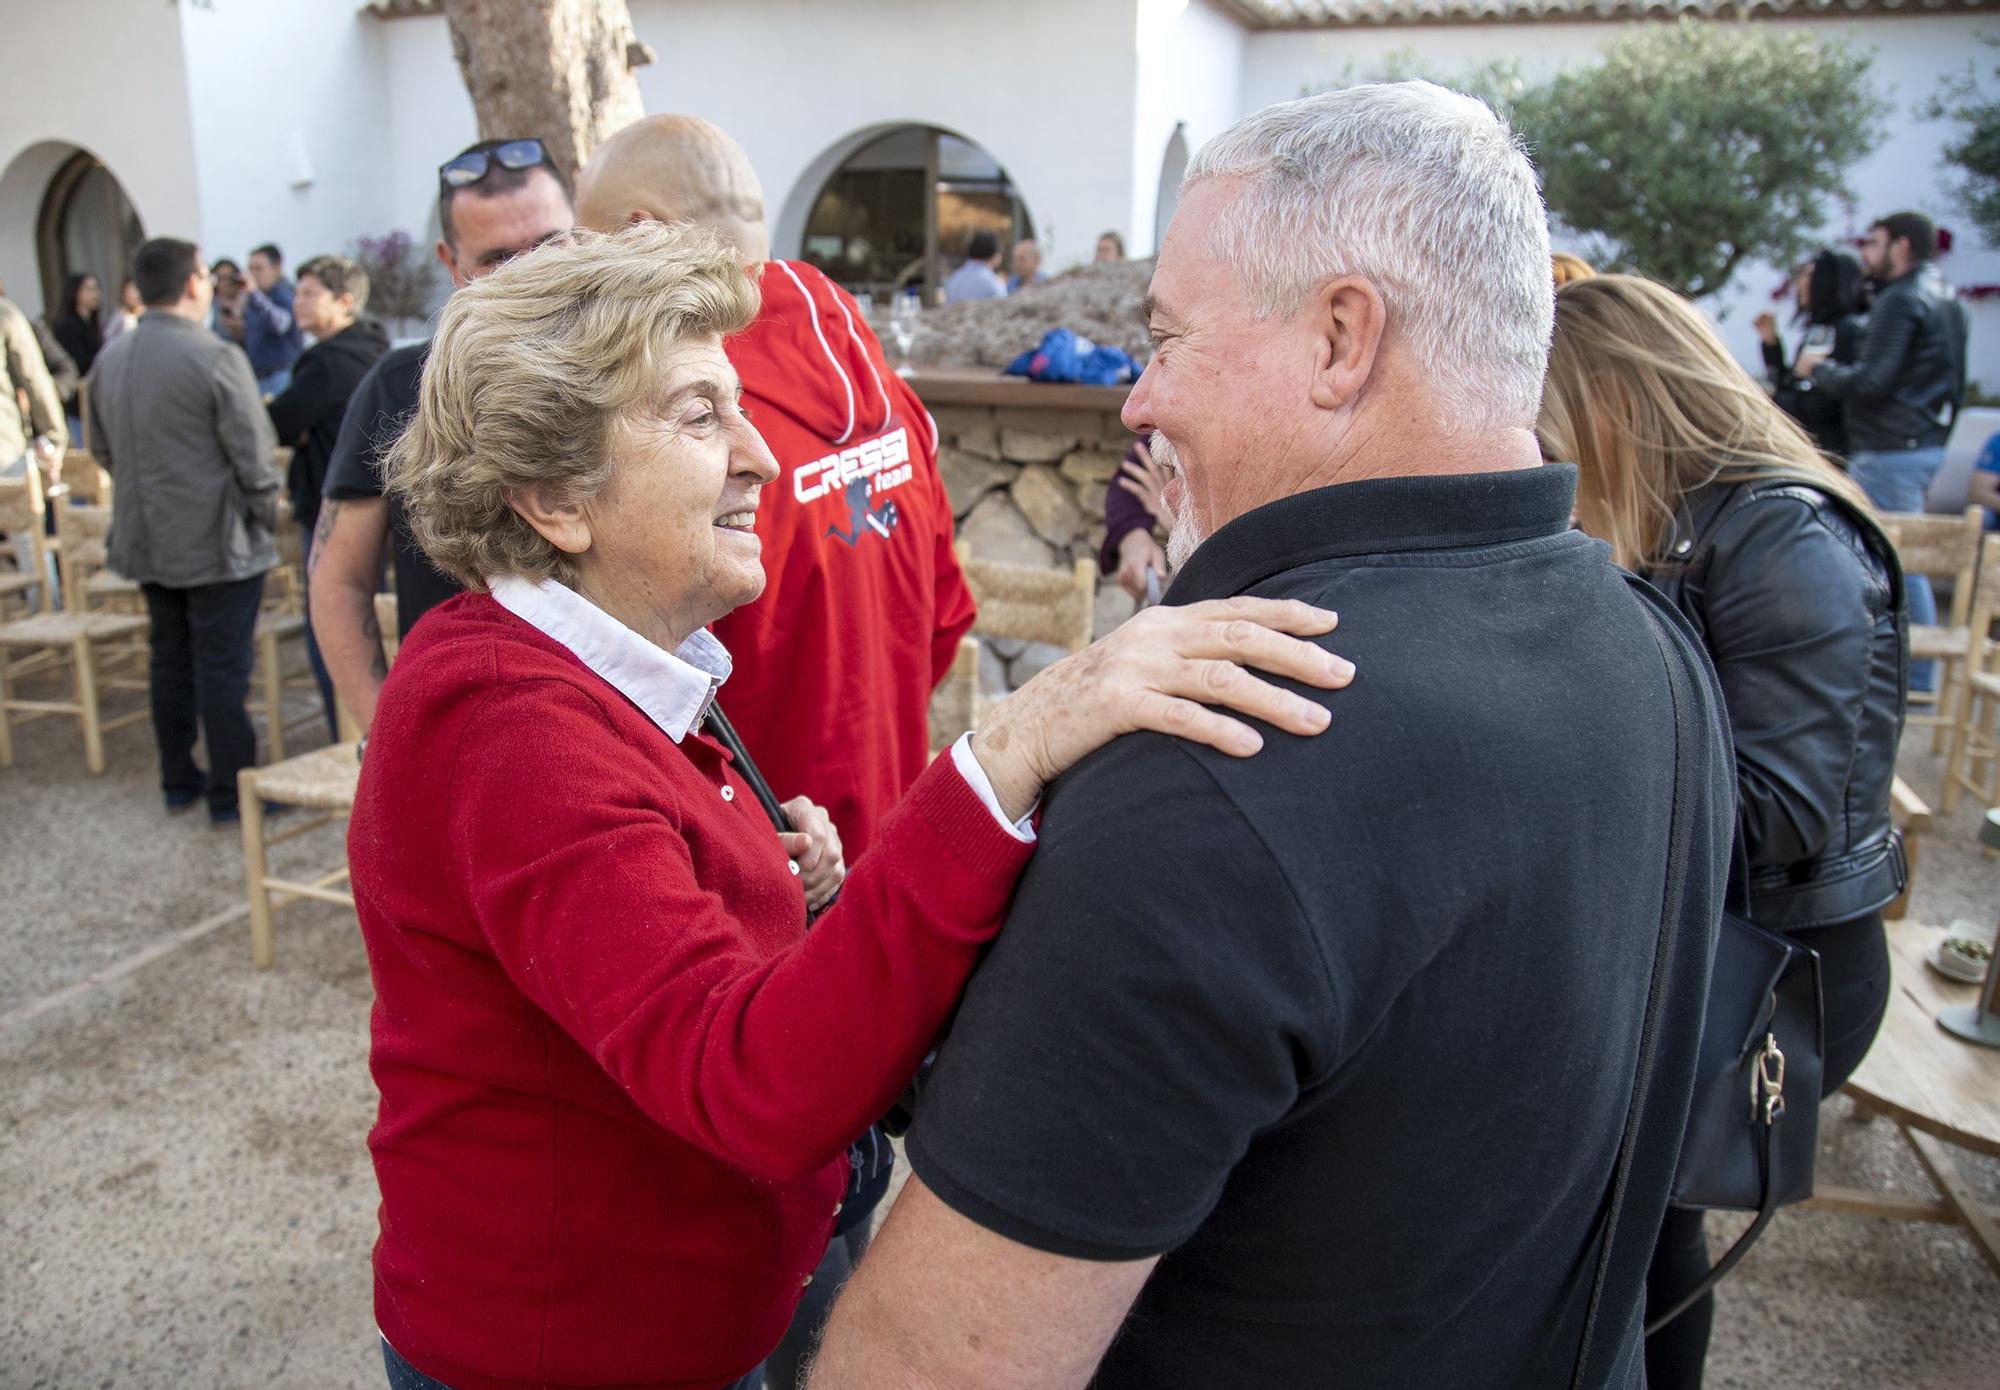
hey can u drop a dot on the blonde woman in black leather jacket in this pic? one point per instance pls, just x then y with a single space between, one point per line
1699 482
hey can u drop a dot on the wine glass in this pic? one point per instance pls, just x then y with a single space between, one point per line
904 312
1817 341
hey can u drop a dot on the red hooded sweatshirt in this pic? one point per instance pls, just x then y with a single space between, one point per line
863 604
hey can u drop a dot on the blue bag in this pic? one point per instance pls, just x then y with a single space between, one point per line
1063 356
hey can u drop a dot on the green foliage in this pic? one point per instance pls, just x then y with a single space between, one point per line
1976 152
1686 149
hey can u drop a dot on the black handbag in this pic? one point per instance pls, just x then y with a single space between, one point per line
870 1159
1753 1126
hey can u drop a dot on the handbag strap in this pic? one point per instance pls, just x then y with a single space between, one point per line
746 768
1767 1138
1597 1356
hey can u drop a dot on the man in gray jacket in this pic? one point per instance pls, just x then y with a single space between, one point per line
176 416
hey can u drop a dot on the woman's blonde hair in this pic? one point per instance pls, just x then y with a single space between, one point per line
532 368
1646 400
1566 269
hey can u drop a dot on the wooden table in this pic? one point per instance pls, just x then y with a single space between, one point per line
1937 1089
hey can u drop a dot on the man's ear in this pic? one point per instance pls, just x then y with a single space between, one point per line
448 261
1348 317
562 524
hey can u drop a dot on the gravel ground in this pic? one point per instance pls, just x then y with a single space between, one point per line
189 1202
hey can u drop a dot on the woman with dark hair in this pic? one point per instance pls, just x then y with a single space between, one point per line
79 330
1832 294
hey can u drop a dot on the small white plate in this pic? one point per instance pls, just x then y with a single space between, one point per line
1954 966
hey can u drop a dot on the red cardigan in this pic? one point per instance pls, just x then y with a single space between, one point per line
618 1078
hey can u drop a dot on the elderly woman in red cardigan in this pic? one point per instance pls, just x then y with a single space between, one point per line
618 1075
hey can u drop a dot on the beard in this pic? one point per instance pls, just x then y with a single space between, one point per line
1184 535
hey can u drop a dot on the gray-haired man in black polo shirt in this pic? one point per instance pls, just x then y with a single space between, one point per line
1312 1069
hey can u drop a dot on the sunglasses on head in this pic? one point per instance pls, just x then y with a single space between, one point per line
474 165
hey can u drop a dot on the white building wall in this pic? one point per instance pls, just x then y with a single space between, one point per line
1046 86
290 126
106 76
1906 171
1190 75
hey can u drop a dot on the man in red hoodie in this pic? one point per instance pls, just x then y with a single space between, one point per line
864 603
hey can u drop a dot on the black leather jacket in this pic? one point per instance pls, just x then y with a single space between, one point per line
1905 390
1799 600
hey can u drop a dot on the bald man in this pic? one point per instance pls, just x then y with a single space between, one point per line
864 603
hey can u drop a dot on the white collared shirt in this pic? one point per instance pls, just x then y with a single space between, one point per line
675 689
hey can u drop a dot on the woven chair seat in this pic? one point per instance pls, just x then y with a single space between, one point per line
16 583
1929 643
323 780
105 582
60 629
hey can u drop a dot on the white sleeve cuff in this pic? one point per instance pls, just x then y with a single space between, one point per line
982 786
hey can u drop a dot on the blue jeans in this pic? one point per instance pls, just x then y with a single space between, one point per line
1898 481
276 382
404 1376
321 678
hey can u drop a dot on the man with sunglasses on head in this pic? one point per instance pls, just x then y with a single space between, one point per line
496 200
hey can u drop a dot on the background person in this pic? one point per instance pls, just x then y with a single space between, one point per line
1700 483
271 334
79 329
1832 294
1110 247
177 419
328 300
1025 263
618 1077
125 312
490 210
1901 397
226 318
979 277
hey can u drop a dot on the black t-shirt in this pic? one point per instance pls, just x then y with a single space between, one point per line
1347 1031
382 404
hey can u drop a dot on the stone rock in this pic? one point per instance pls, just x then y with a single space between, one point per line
1090 497
968 477
1032 446
1116 434
1046 503
996 530
971 428
1114 606
1048 419
1100 301
1031 663
1091 466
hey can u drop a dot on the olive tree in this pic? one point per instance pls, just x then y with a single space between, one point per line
1975 153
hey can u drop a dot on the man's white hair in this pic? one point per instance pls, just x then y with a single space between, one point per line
1425 194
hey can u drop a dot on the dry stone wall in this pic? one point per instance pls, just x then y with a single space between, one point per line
1027 486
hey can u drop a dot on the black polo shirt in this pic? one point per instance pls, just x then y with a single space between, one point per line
382 405
1346 1031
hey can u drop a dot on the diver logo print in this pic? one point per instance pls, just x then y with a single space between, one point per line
860 476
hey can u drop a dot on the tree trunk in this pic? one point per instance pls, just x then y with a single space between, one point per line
559 70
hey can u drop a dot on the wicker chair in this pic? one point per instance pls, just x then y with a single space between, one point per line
1974 761
322 781
1017 602
1940 547
22 508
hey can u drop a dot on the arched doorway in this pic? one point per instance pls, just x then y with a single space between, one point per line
898 211
1172 168
86 226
